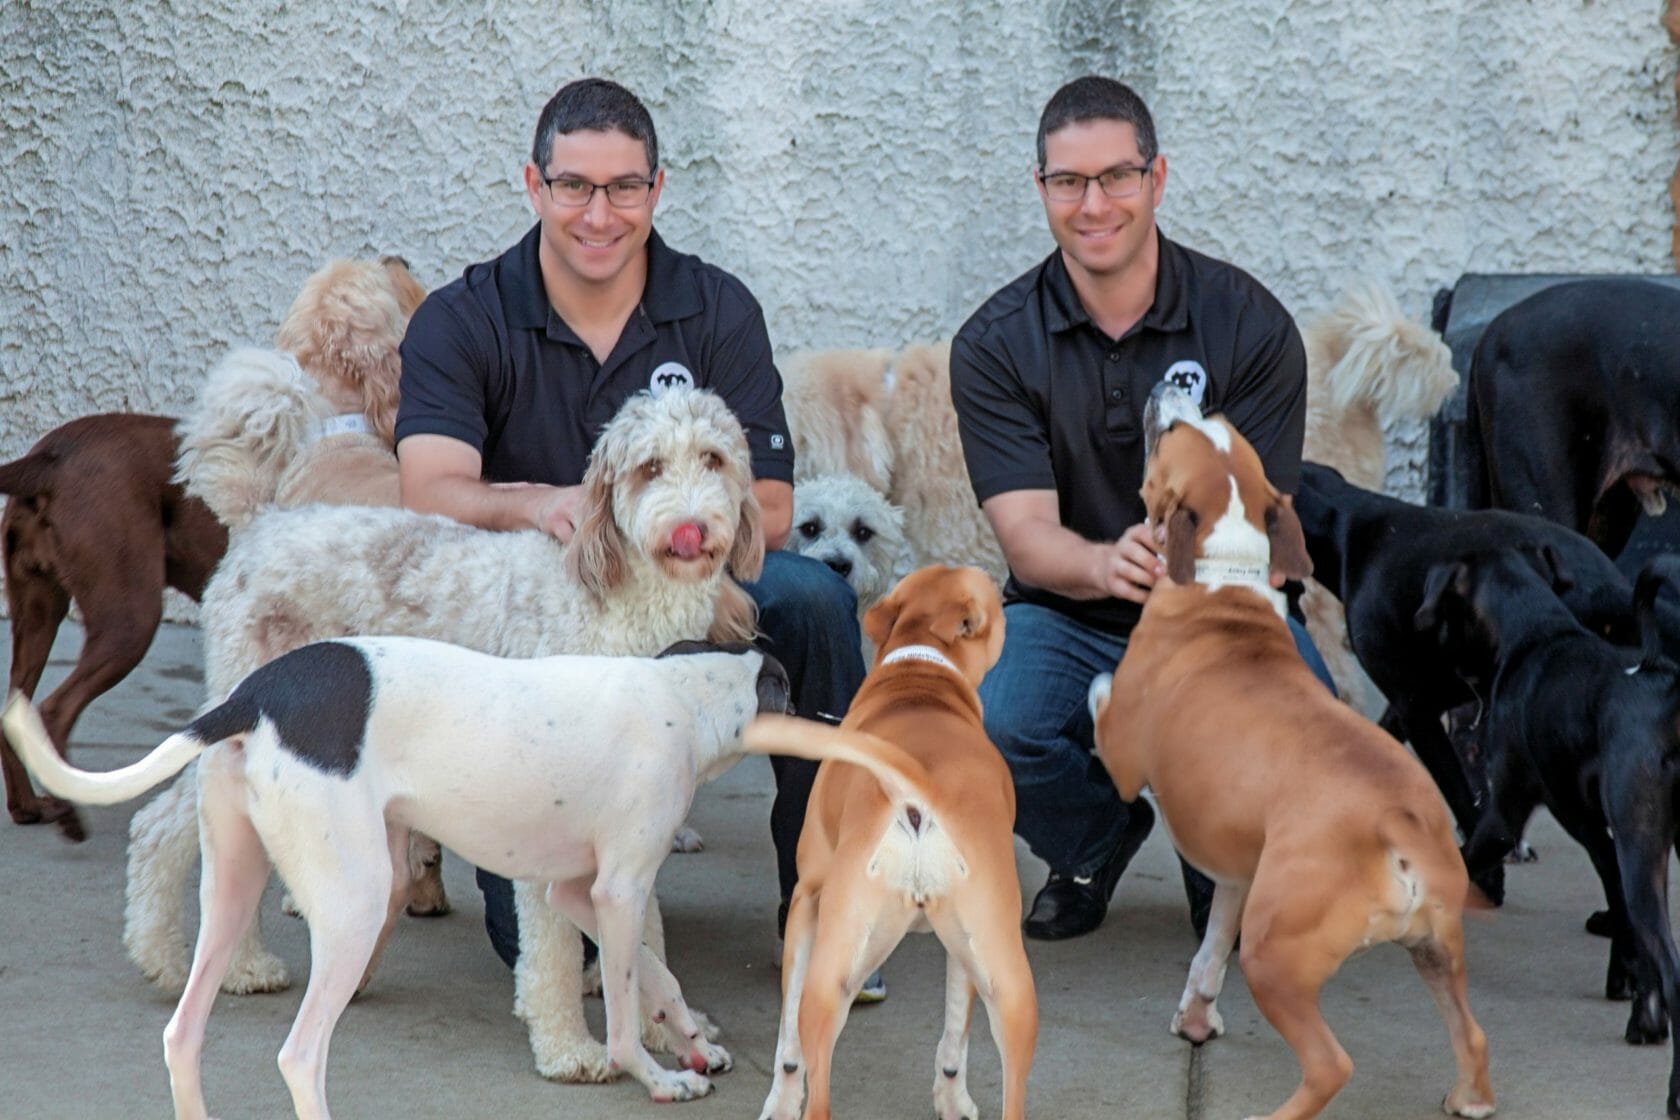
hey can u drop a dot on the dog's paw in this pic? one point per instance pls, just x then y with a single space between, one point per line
1466 1106
1599 925
1197 1026
952 1102
583 1063
1647 1022
1523 853
289 906
427 900
708 1057
261 972
169 975
680 1085
687 840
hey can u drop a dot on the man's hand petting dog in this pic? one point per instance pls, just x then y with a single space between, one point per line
553 509
1129 567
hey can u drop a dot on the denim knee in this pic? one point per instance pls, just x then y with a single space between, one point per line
798 597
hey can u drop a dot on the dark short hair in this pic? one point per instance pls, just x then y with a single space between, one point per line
1094 98
594 105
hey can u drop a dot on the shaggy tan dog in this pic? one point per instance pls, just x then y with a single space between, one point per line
677 461
268 429
836 405
1368 369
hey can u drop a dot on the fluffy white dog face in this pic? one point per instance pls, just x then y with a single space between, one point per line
851 527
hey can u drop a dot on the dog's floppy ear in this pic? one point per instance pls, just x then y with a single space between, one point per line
964 618
1181 545
597 556
735 618
1555 569
1448 577
746 555
1289 544
878 622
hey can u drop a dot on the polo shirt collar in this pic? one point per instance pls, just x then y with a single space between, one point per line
672 292
1170 310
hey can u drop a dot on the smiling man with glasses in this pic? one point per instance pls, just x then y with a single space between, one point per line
511 371
1050 378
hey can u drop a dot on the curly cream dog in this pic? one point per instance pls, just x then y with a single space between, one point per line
324 759
620 587
313 421
850 526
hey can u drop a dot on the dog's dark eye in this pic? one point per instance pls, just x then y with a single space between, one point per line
652 469
862 533
712 460
810 529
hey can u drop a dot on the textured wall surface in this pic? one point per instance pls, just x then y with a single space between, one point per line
173 170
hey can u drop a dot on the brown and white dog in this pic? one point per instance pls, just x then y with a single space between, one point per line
908 830
1322 834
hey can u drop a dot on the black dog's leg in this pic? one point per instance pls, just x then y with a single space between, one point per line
1637 799
1621 979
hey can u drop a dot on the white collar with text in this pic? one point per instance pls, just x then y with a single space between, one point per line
920 653
1256 576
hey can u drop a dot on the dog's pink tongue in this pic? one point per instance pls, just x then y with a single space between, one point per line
685 541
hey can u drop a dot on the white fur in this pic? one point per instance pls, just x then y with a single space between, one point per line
850 526
539 798
295 576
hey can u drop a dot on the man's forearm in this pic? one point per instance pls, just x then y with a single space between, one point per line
482 504
1050 556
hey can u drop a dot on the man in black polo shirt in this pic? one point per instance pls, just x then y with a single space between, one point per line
510 373
1050 378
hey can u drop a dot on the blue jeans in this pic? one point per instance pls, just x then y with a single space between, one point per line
807 620
1066 807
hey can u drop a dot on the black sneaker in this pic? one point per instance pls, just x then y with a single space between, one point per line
1072 906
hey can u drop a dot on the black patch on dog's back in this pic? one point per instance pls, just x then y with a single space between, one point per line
317 697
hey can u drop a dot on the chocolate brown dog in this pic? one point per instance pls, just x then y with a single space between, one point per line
1322 834
94 517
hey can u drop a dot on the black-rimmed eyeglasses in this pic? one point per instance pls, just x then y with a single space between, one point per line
1116 182
622 194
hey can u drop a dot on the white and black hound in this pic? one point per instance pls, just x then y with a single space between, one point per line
574 771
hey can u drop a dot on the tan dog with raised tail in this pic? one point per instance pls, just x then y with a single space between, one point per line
1322 834
908 830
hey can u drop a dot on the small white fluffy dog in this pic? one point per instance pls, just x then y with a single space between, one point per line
850 526
324 759
1369 368
628 583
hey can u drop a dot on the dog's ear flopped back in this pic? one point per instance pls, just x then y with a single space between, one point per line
1289 544
597 556
1181 544
965 618
746 555
878 623
1453 576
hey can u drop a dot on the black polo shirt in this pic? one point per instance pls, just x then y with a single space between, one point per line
487 361
1046 401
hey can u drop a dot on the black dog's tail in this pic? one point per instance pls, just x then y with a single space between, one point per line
29 476
1658 572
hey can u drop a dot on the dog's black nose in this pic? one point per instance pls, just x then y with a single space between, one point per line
842 567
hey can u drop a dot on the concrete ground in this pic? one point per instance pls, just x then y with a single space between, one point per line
435 1035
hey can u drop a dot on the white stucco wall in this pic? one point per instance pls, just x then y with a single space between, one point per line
173 170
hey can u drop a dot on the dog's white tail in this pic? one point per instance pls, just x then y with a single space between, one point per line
256 411
1379 357
28 734
902 777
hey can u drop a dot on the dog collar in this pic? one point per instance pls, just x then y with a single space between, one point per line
344 423
920 653
1241 573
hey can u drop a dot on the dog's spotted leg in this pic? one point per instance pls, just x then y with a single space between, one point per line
1198 1019
950 1073
787 1079
1440 961
618 898
547 993
686 1033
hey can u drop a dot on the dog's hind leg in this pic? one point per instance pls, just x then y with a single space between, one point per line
235 871
787 1086
1285 972
338 864
548 991
1440 961
981 931
38 605
1197 1019
857 934
951 1100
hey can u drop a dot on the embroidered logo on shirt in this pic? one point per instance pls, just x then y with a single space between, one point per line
776 441
1189 376
670 375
